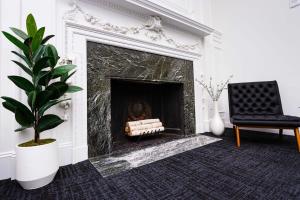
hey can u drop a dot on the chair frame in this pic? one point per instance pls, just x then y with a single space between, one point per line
236 129
237 126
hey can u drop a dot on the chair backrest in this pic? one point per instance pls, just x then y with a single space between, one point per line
254 98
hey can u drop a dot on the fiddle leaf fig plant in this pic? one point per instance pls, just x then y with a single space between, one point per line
44 83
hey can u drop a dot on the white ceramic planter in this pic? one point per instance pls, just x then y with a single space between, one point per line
216 124
36 166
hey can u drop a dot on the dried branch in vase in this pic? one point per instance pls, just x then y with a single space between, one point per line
214 92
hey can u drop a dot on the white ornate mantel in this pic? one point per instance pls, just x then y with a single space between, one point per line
151 36
152 28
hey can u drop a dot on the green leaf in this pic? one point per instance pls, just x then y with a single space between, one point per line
23 58
9 106
22 83
57 89
46 39
37 39
28 42
66 76
61 70
31 25
38 53
73 88
49 105
26 69
31 99
22 128
14 104
24 117
16 42
19 33
48 122
42 98
43 78
52 53
40 64
22 114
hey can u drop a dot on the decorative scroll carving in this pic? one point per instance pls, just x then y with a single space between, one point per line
152 29
154 24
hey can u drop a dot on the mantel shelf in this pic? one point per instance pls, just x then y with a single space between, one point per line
169 16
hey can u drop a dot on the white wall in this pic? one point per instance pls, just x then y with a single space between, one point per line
50 13
261 41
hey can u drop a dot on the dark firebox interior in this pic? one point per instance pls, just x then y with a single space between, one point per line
134 100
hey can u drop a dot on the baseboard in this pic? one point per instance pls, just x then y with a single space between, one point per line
80 153
65 153
206 126
7 160
7 163
228 124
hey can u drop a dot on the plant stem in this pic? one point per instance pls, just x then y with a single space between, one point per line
36 121
36 136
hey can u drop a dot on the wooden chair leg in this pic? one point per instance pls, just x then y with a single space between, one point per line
280 133
297 135
237 135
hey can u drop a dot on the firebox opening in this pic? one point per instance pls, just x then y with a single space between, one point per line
133 100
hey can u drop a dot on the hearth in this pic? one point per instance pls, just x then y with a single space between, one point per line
127 85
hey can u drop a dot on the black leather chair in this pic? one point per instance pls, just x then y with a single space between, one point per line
258 104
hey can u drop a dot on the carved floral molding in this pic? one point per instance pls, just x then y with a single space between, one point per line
152 28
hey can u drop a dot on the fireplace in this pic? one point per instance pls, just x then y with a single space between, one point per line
125 84
138 100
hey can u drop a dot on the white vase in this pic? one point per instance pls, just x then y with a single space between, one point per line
216 123
36 166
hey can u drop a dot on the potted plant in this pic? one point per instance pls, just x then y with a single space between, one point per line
44 85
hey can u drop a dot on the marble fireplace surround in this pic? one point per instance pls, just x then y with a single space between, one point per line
78 32
106 62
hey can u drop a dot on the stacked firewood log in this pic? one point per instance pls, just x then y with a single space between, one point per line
144 127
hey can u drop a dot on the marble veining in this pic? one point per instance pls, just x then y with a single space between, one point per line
106 62
116 163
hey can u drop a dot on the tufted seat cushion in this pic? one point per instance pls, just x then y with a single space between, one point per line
266 120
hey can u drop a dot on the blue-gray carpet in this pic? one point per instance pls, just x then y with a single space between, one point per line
263 168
